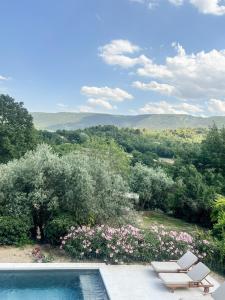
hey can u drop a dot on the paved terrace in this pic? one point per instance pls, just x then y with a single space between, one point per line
125 282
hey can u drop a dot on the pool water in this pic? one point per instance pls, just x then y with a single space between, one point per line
52 285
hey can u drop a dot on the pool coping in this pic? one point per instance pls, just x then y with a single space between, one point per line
55 266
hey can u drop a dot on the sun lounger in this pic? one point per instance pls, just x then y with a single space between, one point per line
183 264
196 277
218 294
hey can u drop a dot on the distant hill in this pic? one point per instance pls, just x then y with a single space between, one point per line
70 121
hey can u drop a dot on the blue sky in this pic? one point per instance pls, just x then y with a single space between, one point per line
114 56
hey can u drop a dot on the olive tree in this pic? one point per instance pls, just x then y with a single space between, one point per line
42 185
152 185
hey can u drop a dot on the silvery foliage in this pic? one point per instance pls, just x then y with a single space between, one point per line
45 184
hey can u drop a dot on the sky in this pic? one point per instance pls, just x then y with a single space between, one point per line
114 56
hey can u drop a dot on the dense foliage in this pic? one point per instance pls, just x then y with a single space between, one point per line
58 227
13 231
218 217
16 129
152 186
192 162
100 148
192 198
213 149
42 185
146 145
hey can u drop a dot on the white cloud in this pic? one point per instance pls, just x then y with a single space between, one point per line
106 93
3 78
194 76
186 76
101 103
216 107
209 6
214 7
153 70
114 54
138 1
62 105
102 96
164 107
165 89
176 2
149 3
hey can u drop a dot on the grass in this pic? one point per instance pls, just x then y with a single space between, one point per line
149 218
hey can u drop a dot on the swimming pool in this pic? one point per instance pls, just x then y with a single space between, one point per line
52 285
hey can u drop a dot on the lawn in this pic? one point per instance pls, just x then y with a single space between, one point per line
146 219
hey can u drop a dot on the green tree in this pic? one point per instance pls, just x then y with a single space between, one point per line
152 185
148 158
41 185
16 129
192 198
213 149
101 148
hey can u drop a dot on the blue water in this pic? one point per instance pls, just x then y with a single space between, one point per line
52 285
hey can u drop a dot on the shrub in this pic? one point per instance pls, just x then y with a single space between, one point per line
173 244
113 245
57 228
218 217
219 262
130 244
219 226
13 231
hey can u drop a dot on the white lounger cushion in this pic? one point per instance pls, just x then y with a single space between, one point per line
198 272
165 266
187 260
184 263
175 278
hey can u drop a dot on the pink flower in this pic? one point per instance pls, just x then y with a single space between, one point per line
206 242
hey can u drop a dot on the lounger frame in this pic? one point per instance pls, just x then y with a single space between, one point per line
192 284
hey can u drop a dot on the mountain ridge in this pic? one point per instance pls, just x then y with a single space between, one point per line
72 121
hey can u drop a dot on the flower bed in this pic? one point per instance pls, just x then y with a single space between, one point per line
113 245
173 244
129 244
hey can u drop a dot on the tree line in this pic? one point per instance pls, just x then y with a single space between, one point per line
109 159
